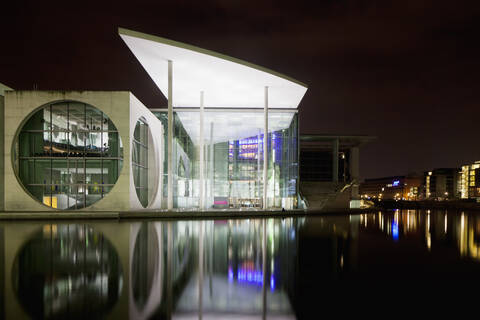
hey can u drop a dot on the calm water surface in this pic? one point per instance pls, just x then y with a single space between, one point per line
377 264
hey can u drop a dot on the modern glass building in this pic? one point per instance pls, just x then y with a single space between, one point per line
228 138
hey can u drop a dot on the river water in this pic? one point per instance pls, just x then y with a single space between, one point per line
373 264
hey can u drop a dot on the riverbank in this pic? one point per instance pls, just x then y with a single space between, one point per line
175 214
231 214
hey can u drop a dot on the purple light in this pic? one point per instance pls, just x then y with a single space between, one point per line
230 274
249 276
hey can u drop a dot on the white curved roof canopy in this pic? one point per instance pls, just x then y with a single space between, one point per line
227 82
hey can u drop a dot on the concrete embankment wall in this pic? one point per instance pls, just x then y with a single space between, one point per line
325 196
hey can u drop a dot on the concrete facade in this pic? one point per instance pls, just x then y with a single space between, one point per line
120 106
3 88
155 155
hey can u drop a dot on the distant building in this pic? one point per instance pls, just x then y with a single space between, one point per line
469 181
329 170
392 188
442 184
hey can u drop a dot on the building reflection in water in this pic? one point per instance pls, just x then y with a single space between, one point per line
224 269
432 228
66 272
221 269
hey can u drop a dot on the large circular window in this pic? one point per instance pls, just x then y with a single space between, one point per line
68 155
140 164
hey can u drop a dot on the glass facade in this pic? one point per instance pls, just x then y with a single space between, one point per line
68 155
283 165
233 142
140 161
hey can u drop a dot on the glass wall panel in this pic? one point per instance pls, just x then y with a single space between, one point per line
282 187
67 152
59 117
93 146
41 174
93 118
59 144
232 159
235 160
76 116
163 117
186 154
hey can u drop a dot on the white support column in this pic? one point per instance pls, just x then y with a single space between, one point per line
265 149
201 201
170 140
212 167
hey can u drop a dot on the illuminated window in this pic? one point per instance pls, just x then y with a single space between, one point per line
68 155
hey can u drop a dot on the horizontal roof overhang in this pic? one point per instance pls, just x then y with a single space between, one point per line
226 82
318 141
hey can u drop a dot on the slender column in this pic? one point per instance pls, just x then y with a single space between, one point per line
170 140
201 201
265 149
335 147
212 167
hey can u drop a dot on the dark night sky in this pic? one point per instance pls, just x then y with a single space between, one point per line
406 71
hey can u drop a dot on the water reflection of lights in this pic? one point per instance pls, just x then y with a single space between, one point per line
428 235
395 229
243 260
446 223
433 226
248 276
462 240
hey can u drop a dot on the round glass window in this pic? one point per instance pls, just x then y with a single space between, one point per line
140 156
68 155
